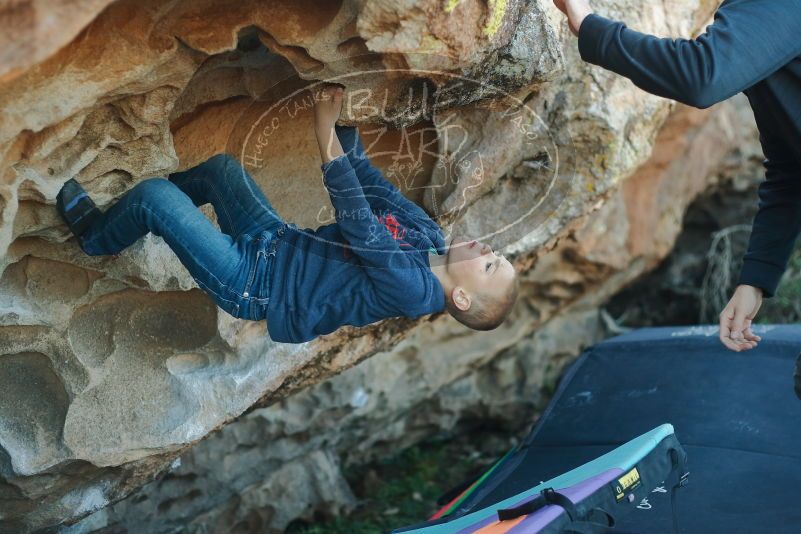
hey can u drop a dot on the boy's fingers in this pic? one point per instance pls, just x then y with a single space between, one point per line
326 91
319 95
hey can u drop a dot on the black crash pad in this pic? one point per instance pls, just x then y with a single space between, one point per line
736 415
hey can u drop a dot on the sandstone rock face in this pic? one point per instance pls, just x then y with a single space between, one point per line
482 112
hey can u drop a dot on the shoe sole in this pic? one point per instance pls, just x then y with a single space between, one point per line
80 204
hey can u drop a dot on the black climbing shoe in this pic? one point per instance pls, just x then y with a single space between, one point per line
76 207
797 377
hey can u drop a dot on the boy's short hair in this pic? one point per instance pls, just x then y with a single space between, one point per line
485 313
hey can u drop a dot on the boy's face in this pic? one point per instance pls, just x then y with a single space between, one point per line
474 266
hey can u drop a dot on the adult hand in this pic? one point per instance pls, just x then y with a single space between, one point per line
576 11
736 317
327 106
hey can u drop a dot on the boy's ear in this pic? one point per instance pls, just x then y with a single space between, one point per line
461 299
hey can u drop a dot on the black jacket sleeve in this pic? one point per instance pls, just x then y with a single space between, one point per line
747 42
776 226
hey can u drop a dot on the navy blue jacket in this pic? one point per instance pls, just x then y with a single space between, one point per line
753 46
371 264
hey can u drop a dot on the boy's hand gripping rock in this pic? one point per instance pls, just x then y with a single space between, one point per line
327 106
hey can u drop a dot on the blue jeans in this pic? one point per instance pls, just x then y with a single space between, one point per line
232 266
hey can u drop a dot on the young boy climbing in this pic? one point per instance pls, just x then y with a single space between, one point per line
383 257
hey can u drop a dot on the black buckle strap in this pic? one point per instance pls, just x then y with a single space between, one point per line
547 496
526 508
592 524
679 477
554 497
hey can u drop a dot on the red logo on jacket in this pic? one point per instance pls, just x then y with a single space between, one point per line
396 230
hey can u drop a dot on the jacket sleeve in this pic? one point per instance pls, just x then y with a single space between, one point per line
747 42
776 226
382 195
398 280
